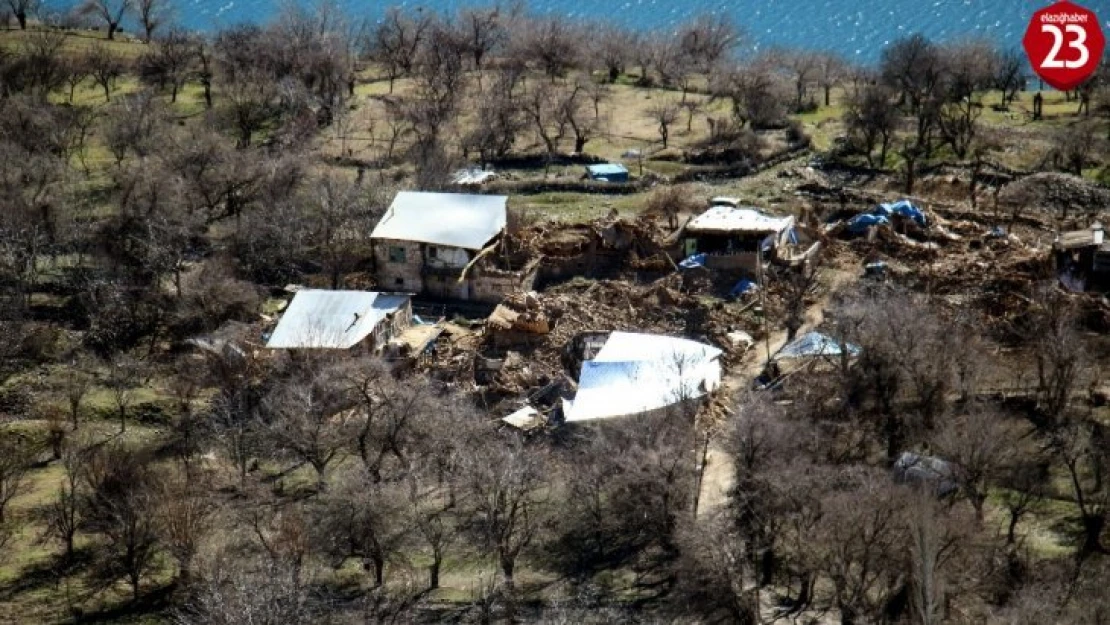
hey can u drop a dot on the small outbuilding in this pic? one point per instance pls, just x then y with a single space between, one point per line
735 238
318 319
1083 258
607 172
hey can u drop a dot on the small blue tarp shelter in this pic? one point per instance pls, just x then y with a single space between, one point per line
607 172
815 344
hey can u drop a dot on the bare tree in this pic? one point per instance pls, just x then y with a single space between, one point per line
22 9
64 515
184 513
1009 73
396 40
105 67
981 445
708 40
504 495
111 12
832 69
16 456
122 379
152 15
872 121
120 506
482 32
665 115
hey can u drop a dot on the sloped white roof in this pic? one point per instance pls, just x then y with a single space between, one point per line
636 373
728 219
450 219
332 319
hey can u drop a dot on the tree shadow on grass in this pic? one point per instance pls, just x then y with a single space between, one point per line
158 601
48 573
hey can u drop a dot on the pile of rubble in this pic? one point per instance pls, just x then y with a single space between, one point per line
1061 194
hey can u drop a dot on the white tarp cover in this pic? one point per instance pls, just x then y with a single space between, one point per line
728 219
636 373
524 419
450 219
332 319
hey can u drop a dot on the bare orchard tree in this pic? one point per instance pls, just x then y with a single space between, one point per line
665 115
308 420
120 507
16 457
64 515
111 12
364 519
482 32
152 15
394 43
1008 73
504 486
708 40
832 70
872 120
105 67
982 444
22 9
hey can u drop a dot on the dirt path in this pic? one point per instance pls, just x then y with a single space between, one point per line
718 476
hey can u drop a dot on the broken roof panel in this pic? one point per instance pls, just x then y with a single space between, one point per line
450 219
815 344
636 373
332 319
728 219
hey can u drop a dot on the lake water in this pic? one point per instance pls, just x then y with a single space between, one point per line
856 28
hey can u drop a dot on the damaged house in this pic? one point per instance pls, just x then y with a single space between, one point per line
445 245
318 319
1083 259
737 238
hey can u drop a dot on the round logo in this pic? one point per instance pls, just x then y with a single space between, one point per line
1064 42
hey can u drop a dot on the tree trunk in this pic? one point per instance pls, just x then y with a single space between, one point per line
1011 529
1093 524
828 91
579 144
173 93
433 571
112 26
22 17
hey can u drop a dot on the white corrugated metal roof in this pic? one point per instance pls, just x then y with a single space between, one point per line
635 373
725 218
332 319
450 219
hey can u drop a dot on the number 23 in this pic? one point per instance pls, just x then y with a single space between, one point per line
1058 41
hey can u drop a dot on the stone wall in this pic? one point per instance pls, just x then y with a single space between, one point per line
404 276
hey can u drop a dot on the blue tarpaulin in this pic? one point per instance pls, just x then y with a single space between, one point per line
860 223
903 208
742 287
697 260
815 344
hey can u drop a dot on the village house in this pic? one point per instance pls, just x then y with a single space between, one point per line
444 245
733 238
363 320
607 172
1083 259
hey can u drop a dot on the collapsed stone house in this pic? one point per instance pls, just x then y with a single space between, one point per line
446 246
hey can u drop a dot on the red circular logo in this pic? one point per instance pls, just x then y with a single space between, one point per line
1064 43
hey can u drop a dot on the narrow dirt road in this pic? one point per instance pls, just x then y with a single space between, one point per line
718 476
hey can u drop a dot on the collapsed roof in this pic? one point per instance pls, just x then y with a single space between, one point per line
637 373
728 219
460 220
332 319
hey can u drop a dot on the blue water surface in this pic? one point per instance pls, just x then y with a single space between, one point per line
858 29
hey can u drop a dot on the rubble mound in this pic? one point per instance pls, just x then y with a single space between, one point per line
1060 193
